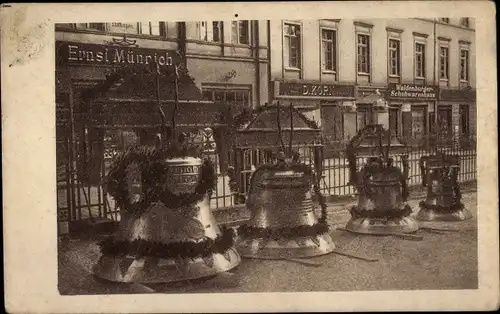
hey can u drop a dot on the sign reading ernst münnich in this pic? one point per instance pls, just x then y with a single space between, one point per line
93 54
409 91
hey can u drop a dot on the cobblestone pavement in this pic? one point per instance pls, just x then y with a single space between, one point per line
439 261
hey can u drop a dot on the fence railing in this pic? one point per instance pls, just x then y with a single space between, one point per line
79 201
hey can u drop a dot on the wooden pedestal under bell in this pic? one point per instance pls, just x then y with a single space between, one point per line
443 201
381 207
162 244
283 222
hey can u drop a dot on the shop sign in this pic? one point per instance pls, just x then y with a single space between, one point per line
413 92
468 95
308 90
123 28
70 53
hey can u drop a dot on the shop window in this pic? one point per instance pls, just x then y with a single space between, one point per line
329 46
394 57
210 31
444 121
418 125
444 20
464 22
464 65
432 122
292 50
419 60
444 63
363 118
239 97
91 26
363 44
240 32
394 121
464 120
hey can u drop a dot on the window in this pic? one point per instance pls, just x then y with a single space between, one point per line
464 65
363 53
210 31
232 96
464 22
464 120
419 60
240 33
394 121
292 49
329 46
93 26
444 20
444 63
394 57
444 120
151 28
363 116
418 123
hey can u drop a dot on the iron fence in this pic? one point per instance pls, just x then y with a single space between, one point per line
78 201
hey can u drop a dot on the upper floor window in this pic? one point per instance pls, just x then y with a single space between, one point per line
292 50
363 43
240 31
464 22
394 57
464 65
150 28
92 26
444 20
329 46
419 60
210 31
444 63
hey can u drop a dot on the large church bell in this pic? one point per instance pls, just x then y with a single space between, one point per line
167 232
283 221
382 187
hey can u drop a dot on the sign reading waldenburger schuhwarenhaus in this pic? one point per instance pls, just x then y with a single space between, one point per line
412 92
70 53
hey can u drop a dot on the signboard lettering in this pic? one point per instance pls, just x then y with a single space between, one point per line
315 90
93 54
409 91
129 28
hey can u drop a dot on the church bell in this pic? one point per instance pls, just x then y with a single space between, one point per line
283 221
382 187
443 202
167 232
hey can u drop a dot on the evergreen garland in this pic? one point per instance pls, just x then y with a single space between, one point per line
443 209
381 214
247 115
151 163
185 249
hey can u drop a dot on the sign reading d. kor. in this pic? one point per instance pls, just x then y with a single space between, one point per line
410 91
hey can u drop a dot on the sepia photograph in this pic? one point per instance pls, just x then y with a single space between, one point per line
254 149
248 154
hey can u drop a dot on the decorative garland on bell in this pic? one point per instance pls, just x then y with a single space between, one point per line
321 227
151 163
185 249
378 214
455 207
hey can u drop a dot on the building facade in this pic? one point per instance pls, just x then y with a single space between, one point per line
422 70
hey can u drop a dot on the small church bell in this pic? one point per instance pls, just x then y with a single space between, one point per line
440 175
382 186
